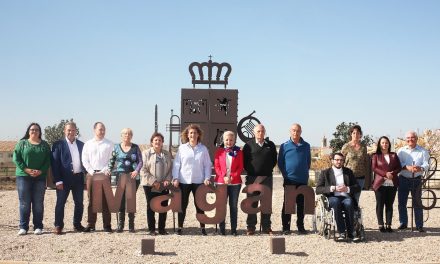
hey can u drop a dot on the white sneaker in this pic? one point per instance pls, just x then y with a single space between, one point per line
22 232
38 231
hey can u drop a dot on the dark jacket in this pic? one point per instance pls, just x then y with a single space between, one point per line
61 163
259 161
327 179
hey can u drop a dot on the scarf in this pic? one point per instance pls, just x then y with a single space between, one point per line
232 151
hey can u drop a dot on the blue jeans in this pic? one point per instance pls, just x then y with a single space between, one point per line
361 183
233 193
78 198
31 192
407 185
340 204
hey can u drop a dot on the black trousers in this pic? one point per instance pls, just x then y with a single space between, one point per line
151 220
251 220
186 189
286 218
385 196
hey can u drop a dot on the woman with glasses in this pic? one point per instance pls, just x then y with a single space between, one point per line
32 160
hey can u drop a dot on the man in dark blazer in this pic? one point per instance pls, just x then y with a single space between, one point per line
340 186
68 175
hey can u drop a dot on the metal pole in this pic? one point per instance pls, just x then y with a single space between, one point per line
155 119
412 200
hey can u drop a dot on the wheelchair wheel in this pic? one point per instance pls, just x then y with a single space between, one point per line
319 218
361 233
327 231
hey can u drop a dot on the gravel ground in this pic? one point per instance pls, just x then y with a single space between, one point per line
100 247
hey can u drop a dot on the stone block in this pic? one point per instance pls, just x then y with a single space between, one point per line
147 246
277 245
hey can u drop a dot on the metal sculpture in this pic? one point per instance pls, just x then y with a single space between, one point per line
429 185
245 128
215 110
428 193
210 65
173 127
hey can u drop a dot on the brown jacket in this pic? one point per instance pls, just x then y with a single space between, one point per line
380 167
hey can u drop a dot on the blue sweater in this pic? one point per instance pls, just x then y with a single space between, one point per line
294 162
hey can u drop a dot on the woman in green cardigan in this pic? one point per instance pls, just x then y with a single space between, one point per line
32 158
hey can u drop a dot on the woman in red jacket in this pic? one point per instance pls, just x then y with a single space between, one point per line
386 166
228 164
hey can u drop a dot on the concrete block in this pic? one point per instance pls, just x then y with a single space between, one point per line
147 246
277 245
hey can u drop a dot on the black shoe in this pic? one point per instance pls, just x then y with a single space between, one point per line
389 229
131 227
382 229
286 232
302 231
222 232
268 231
203 230
341 237
179 231
163 232
356 239
108 229
152 233
250 231
119 229
234 232
420 229
79 228
402 227
89 229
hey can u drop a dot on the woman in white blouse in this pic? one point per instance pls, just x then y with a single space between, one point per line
191 168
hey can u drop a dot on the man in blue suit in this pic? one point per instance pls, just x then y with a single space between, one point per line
68 175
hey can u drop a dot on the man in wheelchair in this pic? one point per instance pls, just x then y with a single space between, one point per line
339 185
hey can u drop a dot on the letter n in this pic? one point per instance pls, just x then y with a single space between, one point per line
290 194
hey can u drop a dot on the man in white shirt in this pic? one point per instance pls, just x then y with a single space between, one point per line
95 157
414 160
339 185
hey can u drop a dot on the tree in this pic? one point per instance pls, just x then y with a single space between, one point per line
56 132
321 163
341 137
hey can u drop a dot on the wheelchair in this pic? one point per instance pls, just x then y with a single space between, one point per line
325 221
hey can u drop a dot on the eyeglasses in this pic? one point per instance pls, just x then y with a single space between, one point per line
34 130
338 159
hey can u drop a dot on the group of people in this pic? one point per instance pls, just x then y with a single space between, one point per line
399 172
74 162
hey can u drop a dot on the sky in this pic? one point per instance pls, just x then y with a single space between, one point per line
316 63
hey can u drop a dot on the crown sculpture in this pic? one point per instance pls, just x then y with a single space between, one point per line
210 65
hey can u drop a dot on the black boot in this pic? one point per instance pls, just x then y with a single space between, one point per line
121 220
131 222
